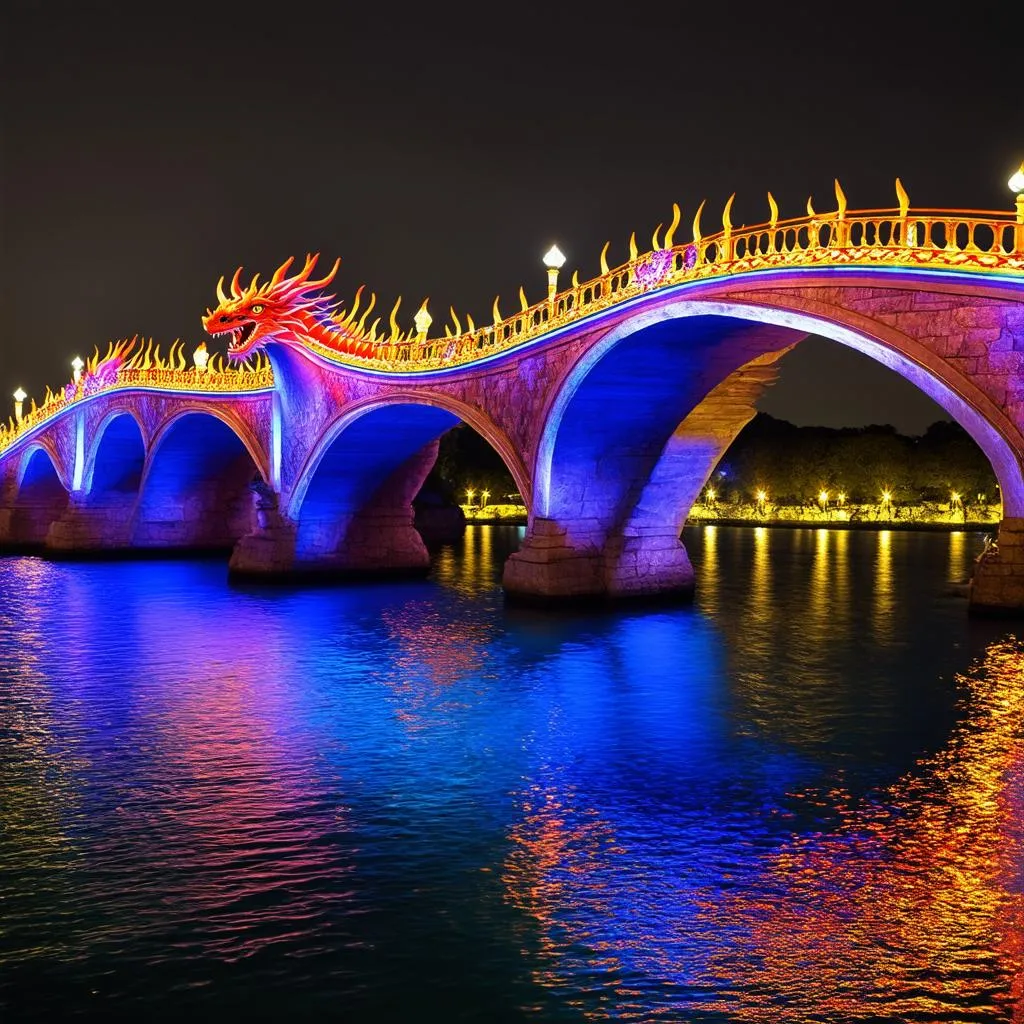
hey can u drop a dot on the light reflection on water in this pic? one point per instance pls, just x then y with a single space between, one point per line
803 797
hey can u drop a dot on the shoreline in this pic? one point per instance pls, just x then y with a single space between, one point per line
799 524
846 524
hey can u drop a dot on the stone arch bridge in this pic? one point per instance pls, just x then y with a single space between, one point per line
610 402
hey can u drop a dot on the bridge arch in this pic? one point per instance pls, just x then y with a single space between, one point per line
195 484
41 495
697 346
117 456
445 413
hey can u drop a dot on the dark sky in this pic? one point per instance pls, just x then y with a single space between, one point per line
439 150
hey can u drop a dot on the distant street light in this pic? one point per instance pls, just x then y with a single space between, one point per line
709 496
76 369
484 495
554 259
955 503
887 503
19 405
841 498
823 499
762 499
469 497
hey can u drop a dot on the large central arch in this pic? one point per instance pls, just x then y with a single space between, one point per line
732 327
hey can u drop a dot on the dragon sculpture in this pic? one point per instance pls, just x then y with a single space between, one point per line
289 311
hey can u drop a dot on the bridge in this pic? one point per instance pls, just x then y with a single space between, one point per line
610 402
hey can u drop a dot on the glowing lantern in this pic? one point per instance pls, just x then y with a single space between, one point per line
554 260
19 404
76 368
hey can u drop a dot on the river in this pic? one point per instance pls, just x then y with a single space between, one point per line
801 798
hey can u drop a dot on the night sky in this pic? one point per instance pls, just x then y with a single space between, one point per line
439 150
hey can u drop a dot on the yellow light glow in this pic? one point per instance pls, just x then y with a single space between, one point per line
423 320
19 395
841 497
886 497
1016 181
762 497
77 364
710 493
823 497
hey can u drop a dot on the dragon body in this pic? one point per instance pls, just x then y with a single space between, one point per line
289 311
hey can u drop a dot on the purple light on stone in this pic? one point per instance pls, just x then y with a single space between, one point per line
690 257
651 271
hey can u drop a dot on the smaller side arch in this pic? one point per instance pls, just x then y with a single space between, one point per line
122 431
41 497
195 489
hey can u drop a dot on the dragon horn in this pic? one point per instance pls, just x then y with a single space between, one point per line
221 297
236 289
281 271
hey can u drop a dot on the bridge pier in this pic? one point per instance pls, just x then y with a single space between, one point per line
997 587
378 539
559 565
86 528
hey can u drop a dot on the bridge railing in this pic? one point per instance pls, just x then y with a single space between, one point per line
979 240
221 379
970 239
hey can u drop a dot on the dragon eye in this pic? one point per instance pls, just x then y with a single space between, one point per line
256 309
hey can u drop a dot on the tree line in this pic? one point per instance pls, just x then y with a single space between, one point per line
791 464
794 464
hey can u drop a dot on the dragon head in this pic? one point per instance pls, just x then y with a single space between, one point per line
280 310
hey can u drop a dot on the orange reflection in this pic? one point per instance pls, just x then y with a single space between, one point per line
912 905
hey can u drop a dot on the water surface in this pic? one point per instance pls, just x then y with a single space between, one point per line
799 799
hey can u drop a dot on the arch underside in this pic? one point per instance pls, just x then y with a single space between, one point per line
363 479
645 416
195 489
40 498
117 462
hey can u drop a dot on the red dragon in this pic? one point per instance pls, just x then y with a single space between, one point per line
286 310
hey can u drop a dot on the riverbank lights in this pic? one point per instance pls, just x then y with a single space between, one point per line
709 496
762 499
422 320
823 498
76 369
201 357
887 500
554 260
19 404
484 496
841 498
469 497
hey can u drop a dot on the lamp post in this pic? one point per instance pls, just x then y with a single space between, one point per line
19 405
709 496
1016 184
955 504
823 500
762 500
887 504
76 369
469 498
554 259
484 497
